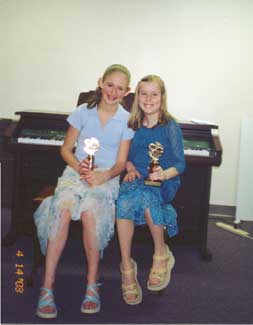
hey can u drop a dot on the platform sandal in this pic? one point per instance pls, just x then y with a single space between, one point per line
95 299
163 273
132 288
46 300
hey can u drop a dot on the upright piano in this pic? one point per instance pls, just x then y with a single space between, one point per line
35 140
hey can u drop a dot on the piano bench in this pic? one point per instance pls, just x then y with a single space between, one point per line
46 191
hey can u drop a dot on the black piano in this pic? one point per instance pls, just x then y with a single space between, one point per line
35 141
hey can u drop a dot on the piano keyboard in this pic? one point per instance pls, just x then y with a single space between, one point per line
58 142
197 152
47 142
197 147
42 137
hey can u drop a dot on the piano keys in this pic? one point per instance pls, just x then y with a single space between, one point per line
37 128
42 134
35 140
201 143
46 137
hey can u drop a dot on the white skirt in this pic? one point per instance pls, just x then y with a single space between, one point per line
77 196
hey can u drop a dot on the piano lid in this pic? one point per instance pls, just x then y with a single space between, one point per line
61 115
196 126
43 114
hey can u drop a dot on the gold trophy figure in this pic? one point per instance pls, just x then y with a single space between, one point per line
155 152
91 145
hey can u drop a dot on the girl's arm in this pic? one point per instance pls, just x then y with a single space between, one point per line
132 172
67 148
100 177
176 140
130 166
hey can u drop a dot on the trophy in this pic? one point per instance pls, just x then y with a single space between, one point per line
91 145
155 152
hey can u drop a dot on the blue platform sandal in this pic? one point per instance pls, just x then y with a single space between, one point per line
94 298
46 300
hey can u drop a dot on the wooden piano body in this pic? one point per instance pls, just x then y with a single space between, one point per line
40 164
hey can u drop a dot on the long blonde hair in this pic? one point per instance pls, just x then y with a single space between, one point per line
137 115
97 95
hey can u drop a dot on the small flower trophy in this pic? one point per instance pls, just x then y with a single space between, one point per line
91 145
155 152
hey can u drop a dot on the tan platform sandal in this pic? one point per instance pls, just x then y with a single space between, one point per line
132 288
162 274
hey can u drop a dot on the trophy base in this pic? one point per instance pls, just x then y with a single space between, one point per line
149 182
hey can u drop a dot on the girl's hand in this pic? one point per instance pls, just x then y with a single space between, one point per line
131 176
158 174
84 167
95 177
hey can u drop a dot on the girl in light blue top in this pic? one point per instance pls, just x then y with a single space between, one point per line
86 194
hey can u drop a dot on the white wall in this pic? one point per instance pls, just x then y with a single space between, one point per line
53 49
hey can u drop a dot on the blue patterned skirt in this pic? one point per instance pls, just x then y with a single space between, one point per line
77 196
135 197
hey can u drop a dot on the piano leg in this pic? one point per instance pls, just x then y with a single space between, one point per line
206 255
10 238
12 235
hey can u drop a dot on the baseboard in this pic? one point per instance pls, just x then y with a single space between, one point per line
222 210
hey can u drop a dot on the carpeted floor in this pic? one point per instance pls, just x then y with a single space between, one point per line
217 292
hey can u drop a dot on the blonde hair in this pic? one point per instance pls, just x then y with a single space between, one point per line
137 115
97 95
117 68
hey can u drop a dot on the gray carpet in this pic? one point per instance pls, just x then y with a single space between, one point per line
217 292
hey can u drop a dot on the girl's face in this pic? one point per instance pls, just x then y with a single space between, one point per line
114 87
149 97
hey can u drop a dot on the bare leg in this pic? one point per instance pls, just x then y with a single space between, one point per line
53 253
92 253
157 232
125 229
